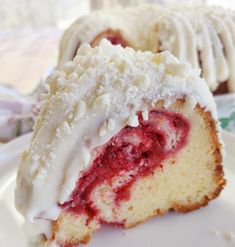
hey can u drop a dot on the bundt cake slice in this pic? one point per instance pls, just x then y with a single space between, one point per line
122 136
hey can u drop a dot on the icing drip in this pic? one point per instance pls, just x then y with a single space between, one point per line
208 38
201 35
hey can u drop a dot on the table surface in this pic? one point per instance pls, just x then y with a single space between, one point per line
25 56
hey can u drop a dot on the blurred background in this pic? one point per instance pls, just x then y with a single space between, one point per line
30 31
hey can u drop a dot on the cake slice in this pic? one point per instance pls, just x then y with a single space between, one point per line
122 136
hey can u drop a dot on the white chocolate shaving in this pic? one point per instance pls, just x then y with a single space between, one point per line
102 100
80 110
145 115
133 121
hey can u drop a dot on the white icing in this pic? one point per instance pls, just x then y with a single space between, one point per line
192 33
104 97
131 27
204 34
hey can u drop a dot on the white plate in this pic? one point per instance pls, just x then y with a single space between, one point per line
209 226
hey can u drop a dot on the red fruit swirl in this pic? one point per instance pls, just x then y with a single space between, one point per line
137 151
116 40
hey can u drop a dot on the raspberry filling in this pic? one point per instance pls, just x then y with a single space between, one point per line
132 153
116 40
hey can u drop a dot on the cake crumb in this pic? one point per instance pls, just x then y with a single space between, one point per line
229 236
